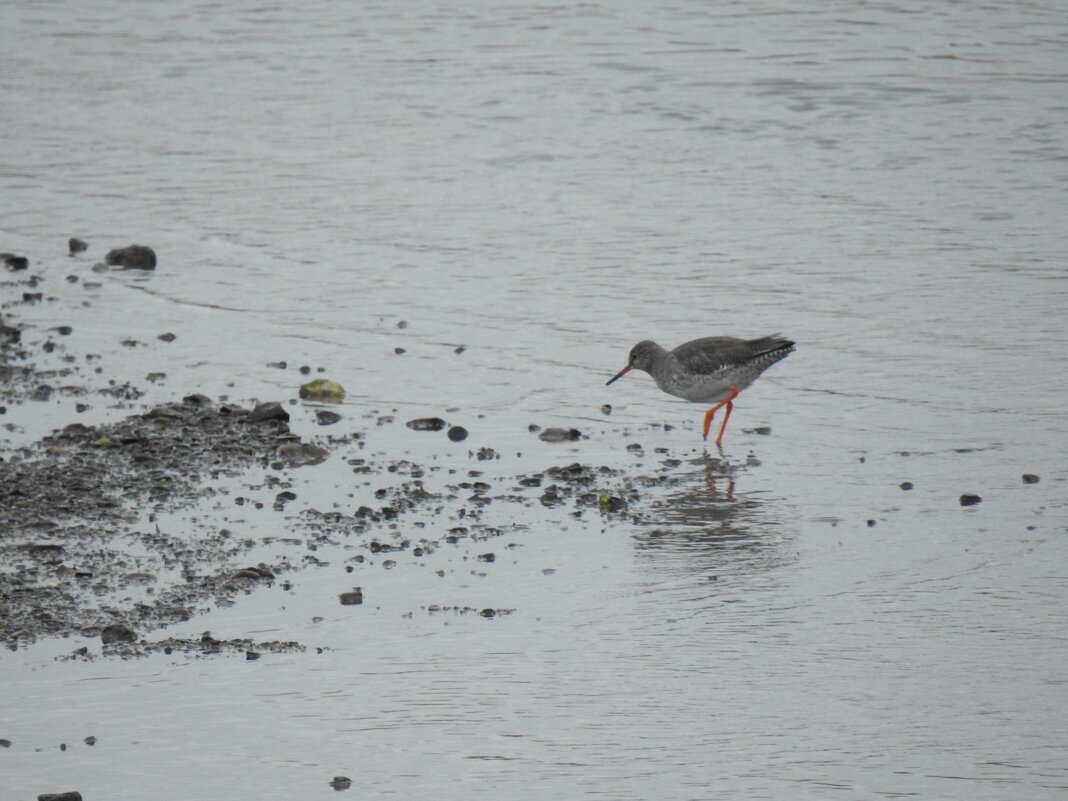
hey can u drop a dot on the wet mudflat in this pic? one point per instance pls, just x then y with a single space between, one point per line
468 220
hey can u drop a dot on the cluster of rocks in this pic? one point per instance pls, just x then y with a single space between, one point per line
75 502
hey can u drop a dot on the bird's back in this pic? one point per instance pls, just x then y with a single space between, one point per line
712 355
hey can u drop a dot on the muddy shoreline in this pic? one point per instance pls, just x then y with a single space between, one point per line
82 554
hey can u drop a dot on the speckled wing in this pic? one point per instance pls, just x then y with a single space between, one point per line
709 355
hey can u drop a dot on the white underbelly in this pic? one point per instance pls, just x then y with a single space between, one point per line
698 389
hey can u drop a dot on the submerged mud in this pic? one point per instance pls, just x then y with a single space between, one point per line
79 507
82 551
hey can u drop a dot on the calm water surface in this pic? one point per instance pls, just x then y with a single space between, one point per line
886 183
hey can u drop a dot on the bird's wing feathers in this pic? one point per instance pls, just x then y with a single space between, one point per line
709 354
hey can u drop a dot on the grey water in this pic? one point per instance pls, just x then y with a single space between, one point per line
543 186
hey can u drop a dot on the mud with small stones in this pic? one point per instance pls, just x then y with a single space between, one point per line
81 550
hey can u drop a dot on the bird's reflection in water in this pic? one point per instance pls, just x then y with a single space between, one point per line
719 475
707 528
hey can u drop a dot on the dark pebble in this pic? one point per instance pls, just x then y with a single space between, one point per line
606 409
487 557
168 337
271 410
1030 478
871 524
76 245
459 350
426 424
72 279
457 433
559 435
304 369
13 262
402 324
324 417
399 351
351 598
340 782
488 613
64 330
967 499
117 632
90 740
132 257
905 485
72 795
251 656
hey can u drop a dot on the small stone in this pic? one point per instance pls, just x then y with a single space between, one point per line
13 262
117 632
459 349
457 433
606 409
352 598
426 424
488 612
325 417
322 389
340 782
271 410
251 656
968 499
76 245
402 324
299 454
72 795
560 435
90 740
132 257
487 557
1030 478
905 485
168 337
399 351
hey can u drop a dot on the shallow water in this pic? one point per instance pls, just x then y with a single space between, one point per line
544 186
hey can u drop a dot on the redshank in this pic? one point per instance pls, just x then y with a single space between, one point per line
708 370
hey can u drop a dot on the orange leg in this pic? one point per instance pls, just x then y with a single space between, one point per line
727 415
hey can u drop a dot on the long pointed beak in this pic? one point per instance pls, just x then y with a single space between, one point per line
618 375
